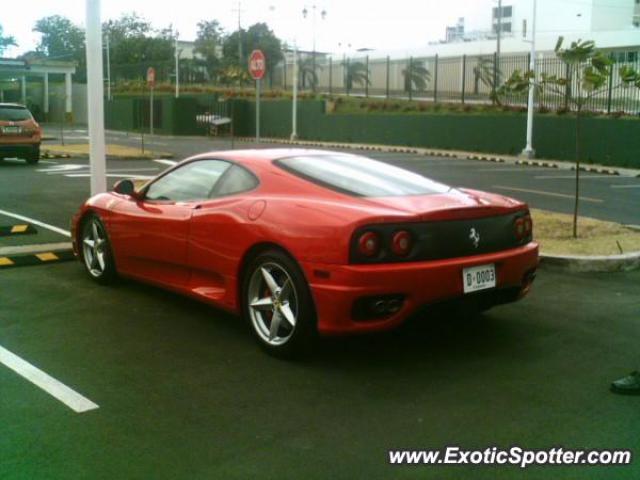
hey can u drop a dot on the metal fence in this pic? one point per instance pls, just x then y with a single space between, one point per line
464 79
467 79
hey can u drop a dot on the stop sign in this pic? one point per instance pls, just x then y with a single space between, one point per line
257 64
151 76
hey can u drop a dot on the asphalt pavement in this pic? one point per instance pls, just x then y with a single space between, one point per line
185 393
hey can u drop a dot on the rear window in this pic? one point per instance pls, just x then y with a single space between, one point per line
360 176
14 114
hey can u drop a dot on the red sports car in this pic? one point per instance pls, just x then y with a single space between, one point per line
301 242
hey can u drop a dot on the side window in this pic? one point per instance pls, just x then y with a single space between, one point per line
236 180
193 181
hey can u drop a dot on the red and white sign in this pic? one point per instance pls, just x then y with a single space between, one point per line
151 76
257 64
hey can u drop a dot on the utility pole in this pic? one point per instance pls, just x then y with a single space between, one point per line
528 151
108 68
239 10
95 97
294 112
177 55
499 29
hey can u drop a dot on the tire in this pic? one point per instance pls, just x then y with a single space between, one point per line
97 256
274 288
33 157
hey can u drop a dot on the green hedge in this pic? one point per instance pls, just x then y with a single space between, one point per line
606 140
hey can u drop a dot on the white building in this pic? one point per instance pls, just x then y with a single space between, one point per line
613 24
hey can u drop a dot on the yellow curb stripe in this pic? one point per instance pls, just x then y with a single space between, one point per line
19 228
47 257
4 261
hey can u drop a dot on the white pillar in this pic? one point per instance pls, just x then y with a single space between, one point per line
46 95
528 151
68 93
95 97
23 89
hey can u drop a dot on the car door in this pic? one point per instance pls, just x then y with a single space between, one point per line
220 233
150 235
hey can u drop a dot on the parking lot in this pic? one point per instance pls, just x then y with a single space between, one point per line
183 390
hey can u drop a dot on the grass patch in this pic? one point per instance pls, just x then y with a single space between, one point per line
113 150
595 237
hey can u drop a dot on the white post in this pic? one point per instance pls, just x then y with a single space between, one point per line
151 109
108 69
67 85
23 89
95 97
46 96
294 113
258 110
528 151
177 68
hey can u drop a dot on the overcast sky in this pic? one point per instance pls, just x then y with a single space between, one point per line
388 25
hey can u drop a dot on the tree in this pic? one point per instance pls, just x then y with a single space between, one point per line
588 69
308 71
60 39
135 46
208 43
355 72
5 42
487 73
257 36
416 76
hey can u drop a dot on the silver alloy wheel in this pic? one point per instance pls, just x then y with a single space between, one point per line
273 303
94 245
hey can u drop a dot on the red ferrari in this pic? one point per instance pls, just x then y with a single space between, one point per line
301 242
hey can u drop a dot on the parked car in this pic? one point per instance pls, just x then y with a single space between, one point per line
301 242
20 134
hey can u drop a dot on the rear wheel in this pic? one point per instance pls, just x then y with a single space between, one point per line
34 155
96 250
278 304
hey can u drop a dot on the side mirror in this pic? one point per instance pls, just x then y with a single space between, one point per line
125 187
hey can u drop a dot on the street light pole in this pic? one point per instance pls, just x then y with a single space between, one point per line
528 151
108 68
95 97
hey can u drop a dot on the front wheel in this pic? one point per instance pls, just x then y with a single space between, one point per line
96 250
278 304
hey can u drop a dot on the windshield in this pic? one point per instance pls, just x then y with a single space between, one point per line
360 176
14 114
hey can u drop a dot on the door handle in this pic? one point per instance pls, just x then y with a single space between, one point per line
197 207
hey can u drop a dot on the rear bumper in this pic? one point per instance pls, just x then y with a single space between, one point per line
337 288
25 148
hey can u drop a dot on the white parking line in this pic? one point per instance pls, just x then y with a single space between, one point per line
53 228
53 387
548 194
115 175
635 185
165 162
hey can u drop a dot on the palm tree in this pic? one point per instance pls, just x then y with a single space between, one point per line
486 72
416 76
355 72
307 69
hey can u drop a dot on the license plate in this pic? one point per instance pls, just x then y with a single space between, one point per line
479 278
11 130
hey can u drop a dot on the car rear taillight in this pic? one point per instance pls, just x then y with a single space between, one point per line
523 227
401 243
369 244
